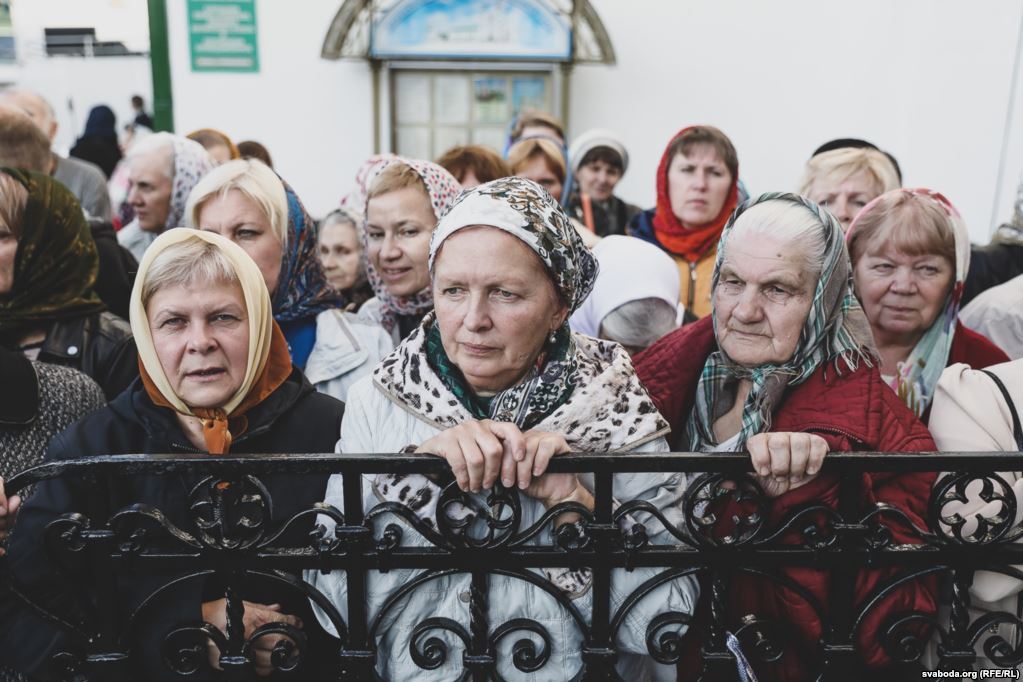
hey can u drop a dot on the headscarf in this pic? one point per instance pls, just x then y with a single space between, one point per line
355 200
268 363
56 263
191 162
690 243
917 377
525 210
101 123
835 330
630 269
590 140
302 289
442 188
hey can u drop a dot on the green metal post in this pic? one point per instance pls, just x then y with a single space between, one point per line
159 58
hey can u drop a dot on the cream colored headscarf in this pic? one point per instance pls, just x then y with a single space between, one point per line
257 305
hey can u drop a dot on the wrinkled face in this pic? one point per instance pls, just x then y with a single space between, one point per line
339 254
698 185
398 229
535 168
598 179
762 299
844 199
241 220
902 295
495 304
201 335
150 189
8 249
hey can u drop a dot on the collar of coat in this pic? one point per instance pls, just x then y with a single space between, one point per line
608 410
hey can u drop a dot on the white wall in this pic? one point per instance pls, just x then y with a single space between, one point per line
314 115
927 80
74 85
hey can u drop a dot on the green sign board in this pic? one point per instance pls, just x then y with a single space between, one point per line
222 35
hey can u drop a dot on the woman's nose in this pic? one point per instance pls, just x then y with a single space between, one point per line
200 340
747 308
389 248
477 316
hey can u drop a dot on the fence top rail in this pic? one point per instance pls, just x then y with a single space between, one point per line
836 462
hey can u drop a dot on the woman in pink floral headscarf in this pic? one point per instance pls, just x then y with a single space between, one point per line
404 200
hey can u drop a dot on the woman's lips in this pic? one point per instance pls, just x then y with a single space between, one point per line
474 349
206 375
391 274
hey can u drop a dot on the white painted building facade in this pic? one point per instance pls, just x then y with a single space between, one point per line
935 82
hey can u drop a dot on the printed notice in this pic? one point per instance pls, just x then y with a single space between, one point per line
222 35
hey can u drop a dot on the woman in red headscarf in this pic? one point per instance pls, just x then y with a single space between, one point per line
697 190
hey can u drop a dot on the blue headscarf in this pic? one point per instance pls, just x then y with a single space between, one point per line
302 288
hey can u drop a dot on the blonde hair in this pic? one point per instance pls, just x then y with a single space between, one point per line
838 165
187 263
914 224
396 176
13 200
521 152
254 180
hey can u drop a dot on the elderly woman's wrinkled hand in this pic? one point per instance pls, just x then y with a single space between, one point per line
8 513
550 489
255 616
478 451
785 461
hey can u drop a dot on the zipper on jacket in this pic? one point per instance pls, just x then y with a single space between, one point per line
692 286
835 430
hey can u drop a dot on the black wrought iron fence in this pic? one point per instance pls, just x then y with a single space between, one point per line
231 535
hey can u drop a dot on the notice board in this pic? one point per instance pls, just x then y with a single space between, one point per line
222 35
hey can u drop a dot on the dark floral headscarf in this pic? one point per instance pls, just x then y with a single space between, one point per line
302 289
56 263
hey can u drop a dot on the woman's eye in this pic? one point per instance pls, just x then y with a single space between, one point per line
246 234
883 267
928 269
409 233
505 294
375 236
452 291
173 322
225 317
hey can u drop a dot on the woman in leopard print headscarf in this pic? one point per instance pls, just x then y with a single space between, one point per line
494 381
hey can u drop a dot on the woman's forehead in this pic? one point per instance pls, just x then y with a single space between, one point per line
761 258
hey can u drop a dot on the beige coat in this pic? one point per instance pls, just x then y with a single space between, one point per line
969 414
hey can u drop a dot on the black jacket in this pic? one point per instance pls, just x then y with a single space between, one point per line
991 265
99 345
294 418
117 268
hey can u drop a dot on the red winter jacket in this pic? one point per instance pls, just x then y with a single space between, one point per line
851 411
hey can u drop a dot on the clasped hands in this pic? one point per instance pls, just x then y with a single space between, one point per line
480 452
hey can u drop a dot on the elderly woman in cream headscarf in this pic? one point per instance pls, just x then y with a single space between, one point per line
496 383
216 378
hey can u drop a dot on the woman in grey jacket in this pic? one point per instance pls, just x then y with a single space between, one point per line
495 382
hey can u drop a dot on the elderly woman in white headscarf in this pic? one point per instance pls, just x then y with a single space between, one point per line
634 301
599 161
162 170
496 383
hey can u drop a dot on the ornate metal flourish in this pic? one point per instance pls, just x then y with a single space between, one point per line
465 521
230 514
954 491
710 495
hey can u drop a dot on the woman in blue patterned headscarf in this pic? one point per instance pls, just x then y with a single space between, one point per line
248 203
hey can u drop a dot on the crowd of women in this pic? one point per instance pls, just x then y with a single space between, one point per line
496 311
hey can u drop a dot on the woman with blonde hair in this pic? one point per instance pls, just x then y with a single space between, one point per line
845 179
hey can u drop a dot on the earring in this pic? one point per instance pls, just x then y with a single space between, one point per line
554 335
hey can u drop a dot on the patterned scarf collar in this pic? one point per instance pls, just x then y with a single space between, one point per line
302 289
836 331
56 262
546 386
606 409
442 188
917 377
